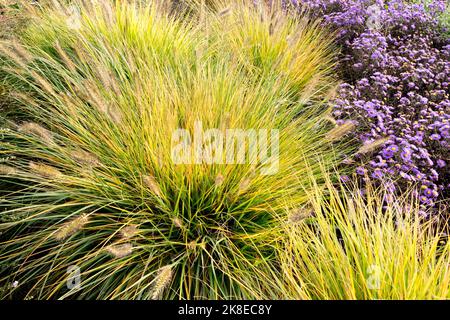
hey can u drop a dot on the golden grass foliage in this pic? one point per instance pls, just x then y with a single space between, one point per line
358 247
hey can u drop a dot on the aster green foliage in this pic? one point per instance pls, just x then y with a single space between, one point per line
93 183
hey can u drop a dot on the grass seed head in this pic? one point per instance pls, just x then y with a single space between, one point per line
162 280
85 158
7 170
120 250
152 185
372 146
244 185
35 129
45 170
297 215
71 227
129 232
219 180
340 131
177 222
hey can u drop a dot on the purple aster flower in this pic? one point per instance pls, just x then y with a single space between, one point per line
393 148
361 171
387 153
434 174
435 137
406 154
423 100
440 163
420 175
428 192
425 200
405 176
423 214
377 174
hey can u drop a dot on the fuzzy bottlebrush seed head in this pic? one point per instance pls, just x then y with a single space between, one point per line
43 82
129 231
372 146
244 185
152 185
115 114
219 180
120 250
44 170
297 215
13 55
7 170
348 161
35 129
177 222
90 91
64 56
21 52
192 245
71 227
85 158
340 131
162 280
331 119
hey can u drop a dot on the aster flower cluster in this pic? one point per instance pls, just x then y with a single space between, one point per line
397 73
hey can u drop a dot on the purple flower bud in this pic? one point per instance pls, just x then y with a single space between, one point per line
435 137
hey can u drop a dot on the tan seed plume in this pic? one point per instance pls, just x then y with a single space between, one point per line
331 93
23 98
339 131
219 180
115 114
71 227
43 83
348 161
369 147
45 170
35 129
178 223
7 170
299 214
94 96
331 119
162 280
85 158
151 183
191 245
108 80
128 231
22 52
11 54
65 58
120 250
244 185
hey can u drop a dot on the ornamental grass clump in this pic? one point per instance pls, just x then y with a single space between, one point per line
107 177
